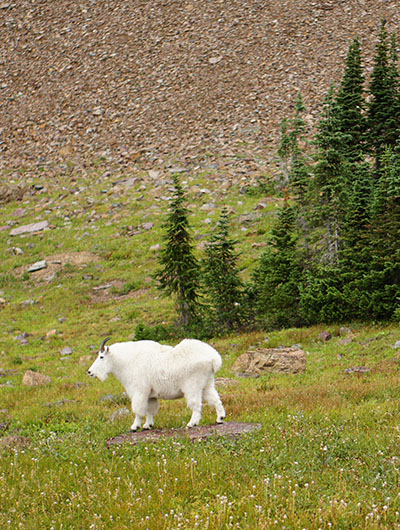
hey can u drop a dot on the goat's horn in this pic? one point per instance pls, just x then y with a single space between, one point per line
103 343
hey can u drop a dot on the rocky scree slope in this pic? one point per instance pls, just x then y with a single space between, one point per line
142 80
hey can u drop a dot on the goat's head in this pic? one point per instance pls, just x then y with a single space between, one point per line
101 366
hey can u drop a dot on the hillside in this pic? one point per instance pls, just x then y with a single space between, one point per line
145 81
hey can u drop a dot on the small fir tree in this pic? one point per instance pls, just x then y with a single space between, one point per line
179 273
221 278
277 278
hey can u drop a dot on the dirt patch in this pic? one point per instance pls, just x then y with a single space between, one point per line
197 433
56 262
113 290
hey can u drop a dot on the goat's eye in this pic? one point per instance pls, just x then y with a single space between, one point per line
101 356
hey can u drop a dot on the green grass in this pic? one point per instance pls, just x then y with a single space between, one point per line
327 454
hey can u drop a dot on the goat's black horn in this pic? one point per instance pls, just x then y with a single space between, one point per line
103 343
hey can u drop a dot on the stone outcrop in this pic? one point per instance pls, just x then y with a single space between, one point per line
266 360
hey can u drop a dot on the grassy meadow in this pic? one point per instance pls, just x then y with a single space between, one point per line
327 454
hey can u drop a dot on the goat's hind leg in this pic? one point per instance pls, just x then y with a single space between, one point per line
211 396
153 407
193 401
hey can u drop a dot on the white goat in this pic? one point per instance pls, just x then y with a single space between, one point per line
150 371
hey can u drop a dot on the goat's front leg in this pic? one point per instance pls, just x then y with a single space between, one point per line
139 408
137 423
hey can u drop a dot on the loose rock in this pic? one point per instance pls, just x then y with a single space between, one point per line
38 266
357 370
226 429
66 351
31 378
325 336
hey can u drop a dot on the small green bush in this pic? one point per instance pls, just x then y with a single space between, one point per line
158 332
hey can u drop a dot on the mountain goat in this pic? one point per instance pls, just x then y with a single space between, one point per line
150 371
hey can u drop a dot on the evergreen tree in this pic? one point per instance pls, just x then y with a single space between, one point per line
383 279
321 295
355 251
354 228
179 274
278 275
331 176
384 108
340 142
334 292
350 102
221 278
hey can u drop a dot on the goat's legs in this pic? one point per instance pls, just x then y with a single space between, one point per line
211 396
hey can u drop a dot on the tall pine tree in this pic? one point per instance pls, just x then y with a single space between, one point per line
383 108
350 102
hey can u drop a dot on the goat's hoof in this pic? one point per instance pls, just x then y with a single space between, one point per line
220 421
147 427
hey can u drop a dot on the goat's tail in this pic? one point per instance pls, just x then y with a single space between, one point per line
216 362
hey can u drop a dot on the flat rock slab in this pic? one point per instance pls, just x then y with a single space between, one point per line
196 433
29 229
